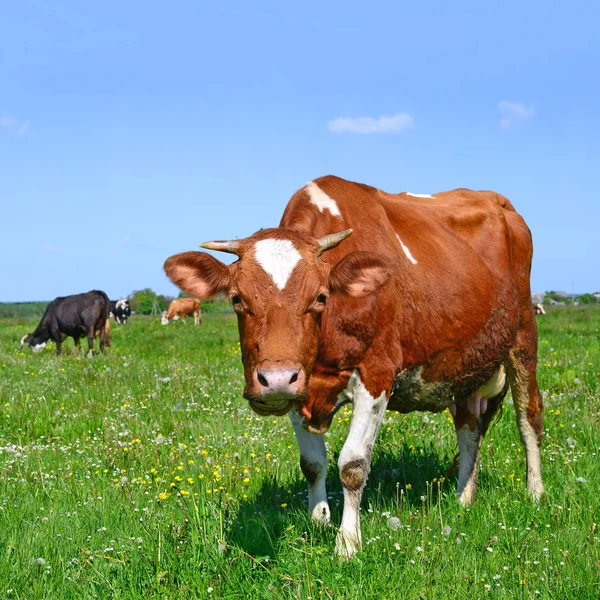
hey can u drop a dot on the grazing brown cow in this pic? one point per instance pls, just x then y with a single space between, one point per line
426 306
182 307
539 309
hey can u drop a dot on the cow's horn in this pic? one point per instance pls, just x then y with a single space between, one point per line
23 339
332 240
231 246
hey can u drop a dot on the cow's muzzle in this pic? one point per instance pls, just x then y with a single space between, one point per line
275 387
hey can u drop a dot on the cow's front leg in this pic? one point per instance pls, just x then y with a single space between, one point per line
355 461
313 462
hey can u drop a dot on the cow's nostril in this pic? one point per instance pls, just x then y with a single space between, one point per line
294 377
262 380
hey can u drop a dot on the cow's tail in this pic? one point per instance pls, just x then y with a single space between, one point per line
106 305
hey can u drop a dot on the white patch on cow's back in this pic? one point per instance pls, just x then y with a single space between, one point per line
321 200
278 258
419 195
406 251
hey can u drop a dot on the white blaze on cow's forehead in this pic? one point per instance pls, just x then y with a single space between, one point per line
406 251
321 200
419 195
278 258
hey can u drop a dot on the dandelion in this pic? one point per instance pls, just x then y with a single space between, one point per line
284 505
408 486
489 549
447 530
394 523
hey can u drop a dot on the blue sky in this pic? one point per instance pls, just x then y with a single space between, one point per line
130 131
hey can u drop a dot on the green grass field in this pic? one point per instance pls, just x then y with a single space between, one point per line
142 473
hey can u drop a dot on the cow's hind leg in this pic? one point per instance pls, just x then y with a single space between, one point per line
355 461
102 337
90 337
470 431
528 407
313 462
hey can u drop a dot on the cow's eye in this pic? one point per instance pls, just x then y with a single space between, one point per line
237 301
319 303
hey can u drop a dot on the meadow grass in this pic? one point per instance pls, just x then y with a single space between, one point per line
142 473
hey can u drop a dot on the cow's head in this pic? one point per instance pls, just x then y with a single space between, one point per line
35 345
279 288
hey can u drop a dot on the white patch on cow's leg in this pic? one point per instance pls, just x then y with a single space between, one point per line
278 258
535 486
469 444
419 195
406 251
519 386
355 460
313 462
321 200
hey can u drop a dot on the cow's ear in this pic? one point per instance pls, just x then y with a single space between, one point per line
198 274
359 274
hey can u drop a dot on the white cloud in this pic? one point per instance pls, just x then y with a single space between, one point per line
7 122
514 113
365 125
13 125
23 129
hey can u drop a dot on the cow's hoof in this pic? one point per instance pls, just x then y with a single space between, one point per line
536 491
320 513
346 546
467 496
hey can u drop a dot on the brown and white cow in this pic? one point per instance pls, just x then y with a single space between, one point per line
426 306
539 309
180 308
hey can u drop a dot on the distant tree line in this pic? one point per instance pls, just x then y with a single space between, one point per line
141 301
568 299
14 310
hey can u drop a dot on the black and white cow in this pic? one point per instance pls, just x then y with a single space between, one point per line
72 316
120 310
